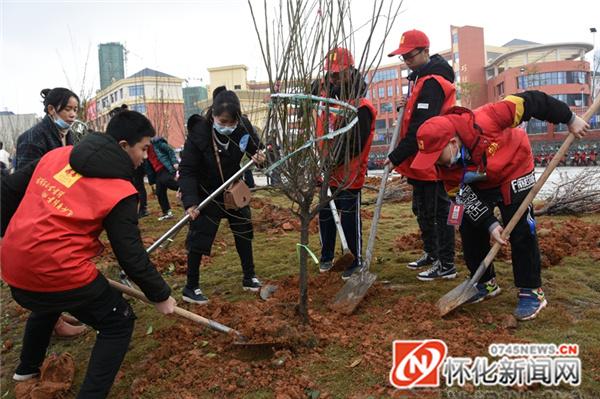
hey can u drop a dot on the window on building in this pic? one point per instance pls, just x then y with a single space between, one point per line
379 124
386 107
390 91
381 92
121 93
573 100
405 90
385 74
136 90
141 108
500 89
404 73
535 126
550 78
455 38
374 93
237 87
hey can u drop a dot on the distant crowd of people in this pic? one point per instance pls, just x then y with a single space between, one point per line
584 154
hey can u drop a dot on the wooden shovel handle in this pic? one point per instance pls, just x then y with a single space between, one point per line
178 311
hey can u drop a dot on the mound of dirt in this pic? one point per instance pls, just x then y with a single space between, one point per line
557 239
274 219
192 362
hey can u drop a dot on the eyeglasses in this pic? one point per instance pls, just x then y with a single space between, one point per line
409 57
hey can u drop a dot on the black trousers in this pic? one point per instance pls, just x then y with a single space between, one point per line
165 181
348 204
138 182
526 261
203 231
107 313
430 204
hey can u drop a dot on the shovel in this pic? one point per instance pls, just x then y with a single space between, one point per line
355 289
466 290
238 338
213 325
344 261
168 236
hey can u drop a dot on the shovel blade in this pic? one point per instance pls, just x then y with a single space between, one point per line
343 262
458 296
267 290
353 292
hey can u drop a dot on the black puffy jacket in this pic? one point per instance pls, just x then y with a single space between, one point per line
198 171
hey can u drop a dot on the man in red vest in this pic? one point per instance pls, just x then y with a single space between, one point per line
431 92
348 176
488 162
65 200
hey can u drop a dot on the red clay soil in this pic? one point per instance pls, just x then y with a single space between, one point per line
556 240
188 367
274 219
56 378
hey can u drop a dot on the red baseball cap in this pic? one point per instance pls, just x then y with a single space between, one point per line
339 59
432 138
409 41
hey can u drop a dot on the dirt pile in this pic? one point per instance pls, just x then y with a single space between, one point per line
198 361
56 378
557 239
274 219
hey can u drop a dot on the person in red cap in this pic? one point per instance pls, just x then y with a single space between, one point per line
488 162
431 92
344 82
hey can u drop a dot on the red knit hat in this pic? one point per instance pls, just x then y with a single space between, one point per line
409 41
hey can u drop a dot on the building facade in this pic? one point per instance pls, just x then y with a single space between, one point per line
191 97
155 94
111 60
486 73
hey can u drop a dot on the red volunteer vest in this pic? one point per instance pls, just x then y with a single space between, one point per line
352 174
53 236
508 153
449 101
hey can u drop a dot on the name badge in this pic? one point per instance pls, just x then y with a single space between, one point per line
456 214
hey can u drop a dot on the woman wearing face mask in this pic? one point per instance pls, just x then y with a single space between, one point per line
223 132
61 106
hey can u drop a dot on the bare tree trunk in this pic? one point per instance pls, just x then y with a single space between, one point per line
303 298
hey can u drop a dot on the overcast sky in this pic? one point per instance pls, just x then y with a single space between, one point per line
46 43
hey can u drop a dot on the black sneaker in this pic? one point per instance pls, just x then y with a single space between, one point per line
350 271
423 261
194 296
325 266
251 284
438 270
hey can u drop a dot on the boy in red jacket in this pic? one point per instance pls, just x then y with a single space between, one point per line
487 162
65 200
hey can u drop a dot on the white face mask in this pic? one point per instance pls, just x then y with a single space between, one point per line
224 130
454 158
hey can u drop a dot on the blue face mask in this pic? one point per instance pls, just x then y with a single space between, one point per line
224 130
61 124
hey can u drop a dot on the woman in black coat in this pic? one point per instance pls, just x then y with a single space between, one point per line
225 132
